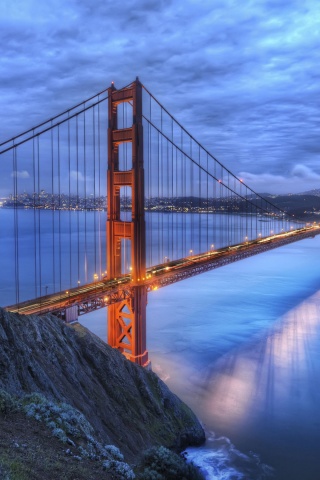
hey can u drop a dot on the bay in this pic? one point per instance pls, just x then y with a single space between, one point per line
240 345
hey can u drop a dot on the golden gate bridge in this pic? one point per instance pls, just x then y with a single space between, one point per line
172 211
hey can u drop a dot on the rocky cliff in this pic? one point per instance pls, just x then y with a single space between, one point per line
127 405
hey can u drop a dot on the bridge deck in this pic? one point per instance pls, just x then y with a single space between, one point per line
100 294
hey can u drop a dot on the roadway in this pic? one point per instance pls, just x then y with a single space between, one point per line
102 293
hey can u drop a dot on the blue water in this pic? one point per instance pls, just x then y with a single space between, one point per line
49 251
241 346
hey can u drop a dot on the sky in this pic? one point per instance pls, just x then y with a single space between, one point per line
241 77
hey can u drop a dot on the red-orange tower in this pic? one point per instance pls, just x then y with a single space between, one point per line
127 319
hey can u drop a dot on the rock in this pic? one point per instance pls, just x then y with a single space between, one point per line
127 405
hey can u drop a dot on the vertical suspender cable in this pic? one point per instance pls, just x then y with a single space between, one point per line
53 212
78 210
161 189
199 206
16 223
158 195
85 195
192 203
178 242
167 196
172 200
39 216
149 215
59 213
221 218
207 205
125 189
183 159
101 268
227 200
147 193
214 193
69 204
34 216
96 269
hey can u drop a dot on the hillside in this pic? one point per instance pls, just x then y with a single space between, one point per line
122 404
305 206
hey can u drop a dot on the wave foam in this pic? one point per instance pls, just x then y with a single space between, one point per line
220 460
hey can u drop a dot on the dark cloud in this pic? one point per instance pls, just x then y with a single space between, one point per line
243 78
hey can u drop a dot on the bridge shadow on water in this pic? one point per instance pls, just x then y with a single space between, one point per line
265 397
250 368
240 346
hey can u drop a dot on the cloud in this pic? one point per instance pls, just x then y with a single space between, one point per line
300 179
305 173
77 176
20 174
242 79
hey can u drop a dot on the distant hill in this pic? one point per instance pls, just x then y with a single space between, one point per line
300 205
315 192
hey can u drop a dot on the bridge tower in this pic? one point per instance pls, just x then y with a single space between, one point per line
127 319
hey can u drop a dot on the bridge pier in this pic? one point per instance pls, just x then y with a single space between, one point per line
127 326
127 319
71 314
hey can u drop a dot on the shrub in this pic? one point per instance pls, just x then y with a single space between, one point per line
119 470
113 452
64 420
160 463
57 432
57 416
7 403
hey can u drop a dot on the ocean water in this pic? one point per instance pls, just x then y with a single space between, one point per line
241 346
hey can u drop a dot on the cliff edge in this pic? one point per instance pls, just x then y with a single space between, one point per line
127 406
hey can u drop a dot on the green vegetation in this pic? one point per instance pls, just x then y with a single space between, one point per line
160 463
89 400
71 428
7 402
